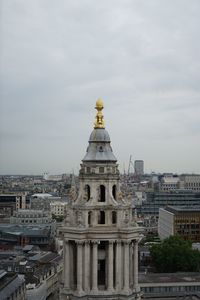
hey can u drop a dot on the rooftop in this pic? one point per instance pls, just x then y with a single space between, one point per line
183 209
169 278
40 230
9 282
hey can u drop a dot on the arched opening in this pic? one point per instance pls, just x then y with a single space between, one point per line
114 191
101 217
102 193
114 217
89 218
87 191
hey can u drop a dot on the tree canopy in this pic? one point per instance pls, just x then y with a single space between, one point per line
175 255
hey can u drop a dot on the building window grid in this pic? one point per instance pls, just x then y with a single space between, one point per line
168 289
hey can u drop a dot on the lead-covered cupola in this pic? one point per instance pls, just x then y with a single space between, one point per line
99 149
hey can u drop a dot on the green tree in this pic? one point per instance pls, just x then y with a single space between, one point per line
175 255
58 218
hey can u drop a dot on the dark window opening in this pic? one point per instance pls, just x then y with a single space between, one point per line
89 217
101 272
101 169
114 217
101 217
87 190
114 191
74 263
100 149
102 193
102 245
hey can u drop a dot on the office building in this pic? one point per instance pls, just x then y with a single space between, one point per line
190 182
156 200
139 167
182 220
10 203
170 286
58 208
30 216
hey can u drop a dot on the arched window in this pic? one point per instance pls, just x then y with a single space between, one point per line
114 191
102 193
114 217
87 191
89 218
101 217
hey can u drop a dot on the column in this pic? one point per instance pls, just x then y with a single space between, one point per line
87 267
66 265
135 265
118 267
131 264
110 266
79 267
126 266
94 266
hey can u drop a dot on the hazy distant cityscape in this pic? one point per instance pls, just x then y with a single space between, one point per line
32 209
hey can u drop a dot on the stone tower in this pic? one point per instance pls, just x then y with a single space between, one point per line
100 234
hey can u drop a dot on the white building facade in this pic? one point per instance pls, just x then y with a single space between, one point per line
191 182
30 216
169 183
165 223
58 208
100 234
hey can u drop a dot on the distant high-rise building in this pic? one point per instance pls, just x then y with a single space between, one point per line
139 167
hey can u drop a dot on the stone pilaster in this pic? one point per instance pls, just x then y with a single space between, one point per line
126 266
94 265
110 266
79 267
118 266
131 264
136 265
87 267
66 265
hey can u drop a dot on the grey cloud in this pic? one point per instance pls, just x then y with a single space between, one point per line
141 57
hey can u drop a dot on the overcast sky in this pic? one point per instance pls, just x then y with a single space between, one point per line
142 57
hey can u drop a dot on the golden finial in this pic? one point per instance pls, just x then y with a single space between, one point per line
99 122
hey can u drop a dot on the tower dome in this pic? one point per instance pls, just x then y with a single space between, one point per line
99 148
99 135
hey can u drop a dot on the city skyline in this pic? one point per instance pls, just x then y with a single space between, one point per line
142 58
